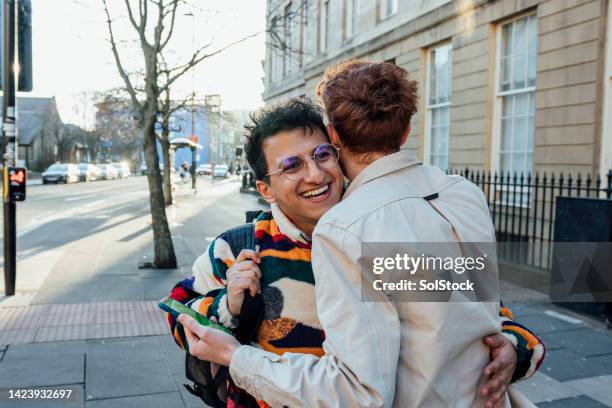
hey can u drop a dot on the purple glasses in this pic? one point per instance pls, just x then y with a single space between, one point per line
294 168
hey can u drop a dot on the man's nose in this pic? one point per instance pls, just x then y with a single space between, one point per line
314 174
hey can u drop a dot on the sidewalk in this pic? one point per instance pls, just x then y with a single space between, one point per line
100 333
102 336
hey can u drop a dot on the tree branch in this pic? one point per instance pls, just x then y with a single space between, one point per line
197 58
159 28
171 29
122 72
132 20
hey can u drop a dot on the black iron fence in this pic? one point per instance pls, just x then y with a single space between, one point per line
523 208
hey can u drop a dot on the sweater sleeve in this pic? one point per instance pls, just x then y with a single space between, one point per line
530 349
205 291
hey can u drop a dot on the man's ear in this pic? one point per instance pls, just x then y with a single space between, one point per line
405 136
333 135
265 191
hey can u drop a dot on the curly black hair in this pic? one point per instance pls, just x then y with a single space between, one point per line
294 114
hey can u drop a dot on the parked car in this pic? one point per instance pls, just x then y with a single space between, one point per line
108 172
203 169
221 170
88 172
61 173
123 170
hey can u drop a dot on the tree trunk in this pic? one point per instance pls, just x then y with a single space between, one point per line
162 238
165 144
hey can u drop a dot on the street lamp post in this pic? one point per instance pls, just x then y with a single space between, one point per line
9 134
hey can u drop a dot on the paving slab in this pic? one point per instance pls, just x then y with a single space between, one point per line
578 402
175 358
159 400
598 388
17 336
124 351
177 274
42 370
583 341
109 292
605 359
543 323
155 289
63 294
542 388
76 400
108 380
520 310
565 365
19 352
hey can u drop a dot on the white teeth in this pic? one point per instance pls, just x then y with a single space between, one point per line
318 191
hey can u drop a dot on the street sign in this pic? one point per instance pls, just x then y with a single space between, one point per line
17 183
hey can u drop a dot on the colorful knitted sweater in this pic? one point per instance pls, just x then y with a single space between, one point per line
291 323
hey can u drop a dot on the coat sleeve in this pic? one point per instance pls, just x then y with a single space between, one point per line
362 341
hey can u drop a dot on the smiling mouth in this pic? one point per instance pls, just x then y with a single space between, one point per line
318 192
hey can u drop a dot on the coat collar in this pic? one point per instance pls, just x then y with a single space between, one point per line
385 165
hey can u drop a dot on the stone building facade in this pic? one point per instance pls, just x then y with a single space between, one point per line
512 85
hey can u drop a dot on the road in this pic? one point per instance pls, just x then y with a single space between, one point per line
88 230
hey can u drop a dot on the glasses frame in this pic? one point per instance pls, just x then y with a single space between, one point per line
281 170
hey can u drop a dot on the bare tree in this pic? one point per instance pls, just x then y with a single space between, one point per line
146 110
62 142
114 123
154 21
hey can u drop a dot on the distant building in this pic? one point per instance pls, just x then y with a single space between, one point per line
79 144
508 85
218 132
40 130
186 122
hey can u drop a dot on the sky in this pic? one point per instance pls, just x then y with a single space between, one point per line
72 55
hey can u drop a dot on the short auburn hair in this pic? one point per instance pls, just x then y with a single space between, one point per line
370 104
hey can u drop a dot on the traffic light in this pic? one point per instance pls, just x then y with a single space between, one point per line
24 43
17 183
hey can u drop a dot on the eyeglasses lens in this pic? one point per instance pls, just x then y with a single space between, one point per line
325 156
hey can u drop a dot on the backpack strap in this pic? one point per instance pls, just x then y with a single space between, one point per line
251 315
241 237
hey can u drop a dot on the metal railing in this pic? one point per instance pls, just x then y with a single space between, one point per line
523 208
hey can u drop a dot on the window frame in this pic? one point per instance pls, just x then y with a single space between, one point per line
288 37
384 11
428 137
351 19
323 28
499 94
